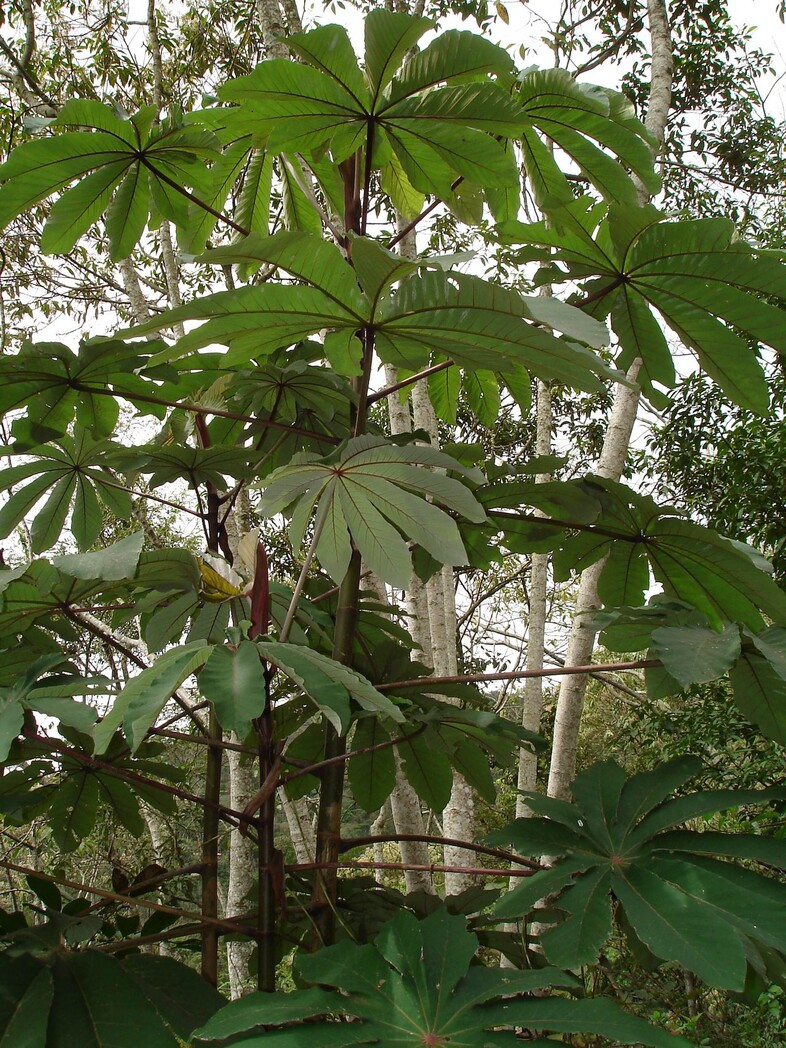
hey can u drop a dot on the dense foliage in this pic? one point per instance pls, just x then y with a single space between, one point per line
290 649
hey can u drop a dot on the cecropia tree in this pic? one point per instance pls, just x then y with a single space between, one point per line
131 663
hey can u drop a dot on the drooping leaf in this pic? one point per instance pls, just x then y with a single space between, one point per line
328 683
74 474
374 491
145 695
596 128
693 654
233 680
88 998
372 775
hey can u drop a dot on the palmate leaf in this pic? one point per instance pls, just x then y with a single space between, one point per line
53 385
713 292
435 135
82 789
446 737
480 325
295 389
132 164
73 475
372 493
692 652
165 465
416 985
616 840
253 321
39 595
48 685
94 1000
723 580
574 117
441 314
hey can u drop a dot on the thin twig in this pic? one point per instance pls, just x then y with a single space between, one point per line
477 871
453 842
551 671
103 893
405 382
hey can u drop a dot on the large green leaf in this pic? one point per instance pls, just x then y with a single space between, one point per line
372 775
328 683
760 693
616 835
694 654
436 133
372 493
302 255
54 386
417 985
481 325
253 320
389 36
427 769
715 293
93 1000
596 128
73 474
234 681
723 580
129 160
143 698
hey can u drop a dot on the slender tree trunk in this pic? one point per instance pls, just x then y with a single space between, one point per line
404 802
242 865
377 829
615 449
458 819
210 831
159 839
532 704
301 830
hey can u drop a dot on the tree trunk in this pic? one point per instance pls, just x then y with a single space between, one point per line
532 705
615 449
458 819
301 829
242 866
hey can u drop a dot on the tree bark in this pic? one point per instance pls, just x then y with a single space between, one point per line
532 705
242 865
458 819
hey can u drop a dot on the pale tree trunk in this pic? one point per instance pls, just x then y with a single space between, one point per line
532 703
458 819
160 839
405 806
301 829
431 611
570 703
243 784
271 20
376 830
